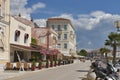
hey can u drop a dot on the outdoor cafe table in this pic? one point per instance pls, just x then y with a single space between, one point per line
22 65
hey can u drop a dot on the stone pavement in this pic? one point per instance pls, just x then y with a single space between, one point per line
10 74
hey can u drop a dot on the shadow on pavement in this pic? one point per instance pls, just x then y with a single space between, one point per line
82 78
82 70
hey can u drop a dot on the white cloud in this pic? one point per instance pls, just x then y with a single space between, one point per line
18 6
41 22
89 43
38 5
90 21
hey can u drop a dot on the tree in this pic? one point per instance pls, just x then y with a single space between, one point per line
105 51
33 41
113 41
83 52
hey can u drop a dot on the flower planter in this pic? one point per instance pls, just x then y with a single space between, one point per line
51 63
47 64
59 62
40 67
33 68
55 63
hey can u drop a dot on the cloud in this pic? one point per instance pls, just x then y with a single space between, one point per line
38 5
90 21
18 6
41 22
91 29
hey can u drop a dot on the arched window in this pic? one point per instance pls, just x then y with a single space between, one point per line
26 37
17 34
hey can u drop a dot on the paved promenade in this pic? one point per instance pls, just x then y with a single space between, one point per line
78 73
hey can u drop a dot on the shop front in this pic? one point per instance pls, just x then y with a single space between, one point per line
22 53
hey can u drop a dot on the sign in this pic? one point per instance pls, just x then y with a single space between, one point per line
21 28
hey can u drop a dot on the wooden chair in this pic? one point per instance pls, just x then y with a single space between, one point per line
18 65
26 67
9 66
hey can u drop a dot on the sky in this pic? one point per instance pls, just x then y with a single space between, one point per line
93 19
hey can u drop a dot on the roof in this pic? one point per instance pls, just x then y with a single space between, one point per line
25 21
60 19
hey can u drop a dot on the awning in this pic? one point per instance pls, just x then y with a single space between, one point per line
67 55
26 48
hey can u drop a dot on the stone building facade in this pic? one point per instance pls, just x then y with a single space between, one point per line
4 32
66 35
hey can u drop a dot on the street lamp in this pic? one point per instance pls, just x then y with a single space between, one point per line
117 25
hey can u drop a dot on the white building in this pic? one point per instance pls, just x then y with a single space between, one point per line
66 35
20 39
4 32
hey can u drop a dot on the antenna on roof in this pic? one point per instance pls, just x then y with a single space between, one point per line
31 19
19 15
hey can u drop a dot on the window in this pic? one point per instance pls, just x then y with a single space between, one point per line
53 27
65 27
42 40
59 28
17 35
26 37
71 32
59 36
0 10
59 45
65 36
1 39
65 45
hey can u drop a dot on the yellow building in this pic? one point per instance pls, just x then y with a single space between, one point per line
4 32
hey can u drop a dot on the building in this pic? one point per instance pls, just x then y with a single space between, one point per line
4 32
20 39
66 35
41 35
46 38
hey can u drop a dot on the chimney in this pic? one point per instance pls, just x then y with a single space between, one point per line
31 19
19 15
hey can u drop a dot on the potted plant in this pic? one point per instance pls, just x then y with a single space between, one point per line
33 65
47 63
40 64
59 61
51 63
55 63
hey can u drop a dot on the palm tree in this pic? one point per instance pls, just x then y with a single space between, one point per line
113 41
104 50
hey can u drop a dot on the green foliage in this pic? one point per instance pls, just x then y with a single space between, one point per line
33 41
47 61
33 63
40 62
113 41
83 52
104 50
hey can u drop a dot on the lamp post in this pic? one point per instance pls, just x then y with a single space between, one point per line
48 33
